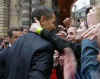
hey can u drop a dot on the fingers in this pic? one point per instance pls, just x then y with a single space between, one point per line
88 32
91 37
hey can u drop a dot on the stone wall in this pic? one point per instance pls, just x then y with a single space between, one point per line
14 16
4 16
17 13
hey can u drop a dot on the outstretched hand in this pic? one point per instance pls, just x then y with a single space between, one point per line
91 33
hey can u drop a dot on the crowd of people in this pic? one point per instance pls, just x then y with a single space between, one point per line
50 51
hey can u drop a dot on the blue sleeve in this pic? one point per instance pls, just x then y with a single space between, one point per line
4 53
89 64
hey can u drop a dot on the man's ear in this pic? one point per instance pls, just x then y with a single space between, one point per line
43 19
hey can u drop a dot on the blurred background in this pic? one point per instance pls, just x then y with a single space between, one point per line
17 13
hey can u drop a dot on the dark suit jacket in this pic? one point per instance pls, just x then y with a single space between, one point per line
3 63
29 52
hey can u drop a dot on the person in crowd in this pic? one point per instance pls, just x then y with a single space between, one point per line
55 39
62 44
32 56
13 35
1 44
89 74
5 42
57 71
32 59
90 67
94 23
24 30
20 68
71 34
67 60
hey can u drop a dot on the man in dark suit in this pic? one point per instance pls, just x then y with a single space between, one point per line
31 57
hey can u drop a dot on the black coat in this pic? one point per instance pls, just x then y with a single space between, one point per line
27 49
3 63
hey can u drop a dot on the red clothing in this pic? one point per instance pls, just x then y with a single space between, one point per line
53 74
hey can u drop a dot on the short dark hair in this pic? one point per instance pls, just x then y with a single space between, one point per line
42 11
10 32
88 9
22 28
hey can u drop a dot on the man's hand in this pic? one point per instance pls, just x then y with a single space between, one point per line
91 32
36 27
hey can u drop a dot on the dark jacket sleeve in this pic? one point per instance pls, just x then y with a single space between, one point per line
58 42
4 53
41 65
89 64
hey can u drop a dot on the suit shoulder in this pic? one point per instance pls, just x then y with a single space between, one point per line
35 39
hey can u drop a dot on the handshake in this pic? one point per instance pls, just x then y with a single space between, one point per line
91 33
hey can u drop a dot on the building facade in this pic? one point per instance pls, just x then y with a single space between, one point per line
17 13
4 17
